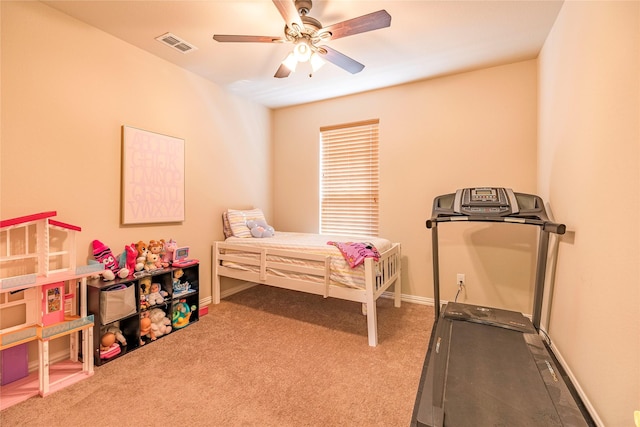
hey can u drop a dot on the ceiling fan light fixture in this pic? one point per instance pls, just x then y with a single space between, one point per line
290 62
302 50
316 62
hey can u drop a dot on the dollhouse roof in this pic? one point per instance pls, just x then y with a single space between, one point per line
37 217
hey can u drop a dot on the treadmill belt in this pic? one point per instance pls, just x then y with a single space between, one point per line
492 376
485 374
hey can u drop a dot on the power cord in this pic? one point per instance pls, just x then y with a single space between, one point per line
460 286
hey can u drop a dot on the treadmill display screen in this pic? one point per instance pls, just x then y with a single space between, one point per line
484 195
486 201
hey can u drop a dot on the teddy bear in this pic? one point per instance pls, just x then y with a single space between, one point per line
156 295
102 253
260 228
150 263
160 323
141 247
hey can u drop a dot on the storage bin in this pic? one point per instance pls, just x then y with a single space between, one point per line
117 302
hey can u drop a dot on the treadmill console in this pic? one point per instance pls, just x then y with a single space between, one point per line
486 201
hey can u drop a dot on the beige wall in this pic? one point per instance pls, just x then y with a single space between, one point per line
476 128
589 160
67 88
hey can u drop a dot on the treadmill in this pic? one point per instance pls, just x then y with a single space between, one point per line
486 366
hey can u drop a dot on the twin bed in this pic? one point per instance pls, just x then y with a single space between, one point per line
307 263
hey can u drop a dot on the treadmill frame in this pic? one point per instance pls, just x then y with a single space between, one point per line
533 213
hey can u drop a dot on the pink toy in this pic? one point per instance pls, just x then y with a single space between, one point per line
356 252
131 256
169 248
103 254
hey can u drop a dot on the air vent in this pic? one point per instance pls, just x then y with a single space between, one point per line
176 43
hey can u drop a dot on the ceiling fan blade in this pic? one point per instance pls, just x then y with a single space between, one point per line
289 12
361 24
257 39
282 72
340 59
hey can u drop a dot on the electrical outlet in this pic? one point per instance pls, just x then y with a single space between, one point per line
460 279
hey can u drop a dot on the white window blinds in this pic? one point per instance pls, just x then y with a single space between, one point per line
349 179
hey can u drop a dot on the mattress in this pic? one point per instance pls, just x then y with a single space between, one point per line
341 272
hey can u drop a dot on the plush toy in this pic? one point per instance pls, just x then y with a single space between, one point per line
127 259
103 255
145 328
156 295
157 247
260 228
182 314
145 288
151 261
169 249
160 323
141 247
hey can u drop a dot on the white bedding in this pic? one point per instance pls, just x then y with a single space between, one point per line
341 272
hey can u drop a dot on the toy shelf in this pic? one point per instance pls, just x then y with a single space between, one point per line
180 302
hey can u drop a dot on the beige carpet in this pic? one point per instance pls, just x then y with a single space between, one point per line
263 357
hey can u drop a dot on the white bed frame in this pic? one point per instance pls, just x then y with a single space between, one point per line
379 276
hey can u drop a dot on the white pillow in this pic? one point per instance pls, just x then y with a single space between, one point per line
238 220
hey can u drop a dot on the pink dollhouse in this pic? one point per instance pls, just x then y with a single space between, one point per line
42 298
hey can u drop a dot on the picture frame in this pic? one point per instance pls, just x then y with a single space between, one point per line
153 182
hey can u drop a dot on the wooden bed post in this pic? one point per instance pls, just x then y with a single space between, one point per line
370 300
397 269
215 262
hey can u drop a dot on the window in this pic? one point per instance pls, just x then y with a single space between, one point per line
349 178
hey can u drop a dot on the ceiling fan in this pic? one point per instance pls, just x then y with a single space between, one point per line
308 36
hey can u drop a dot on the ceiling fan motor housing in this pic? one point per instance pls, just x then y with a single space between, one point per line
303 6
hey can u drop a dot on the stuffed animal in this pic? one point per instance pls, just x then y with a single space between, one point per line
127 259
156 295
141 247
151 261
160 323
260 228
103 255
157 247
169 249
145 328
182 314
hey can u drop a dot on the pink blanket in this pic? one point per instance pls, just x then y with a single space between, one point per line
356 252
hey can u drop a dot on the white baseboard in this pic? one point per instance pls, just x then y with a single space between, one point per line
576 384
237 288
405 298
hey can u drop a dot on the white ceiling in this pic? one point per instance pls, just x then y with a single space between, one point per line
426 39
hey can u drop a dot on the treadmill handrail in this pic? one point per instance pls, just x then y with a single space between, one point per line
549 226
